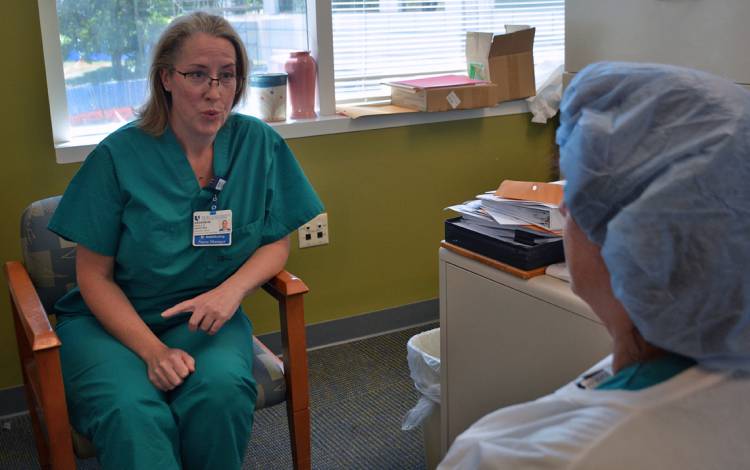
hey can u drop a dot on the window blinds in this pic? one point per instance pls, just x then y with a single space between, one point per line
376 41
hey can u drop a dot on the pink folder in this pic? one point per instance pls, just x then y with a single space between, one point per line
439 81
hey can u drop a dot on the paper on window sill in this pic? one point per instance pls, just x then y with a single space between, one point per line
438 82
355 112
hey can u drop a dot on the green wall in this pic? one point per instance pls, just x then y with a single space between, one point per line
384 191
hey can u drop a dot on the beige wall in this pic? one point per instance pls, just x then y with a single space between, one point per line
384 191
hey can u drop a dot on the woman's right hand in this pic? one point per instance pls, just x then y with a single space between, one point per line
168 367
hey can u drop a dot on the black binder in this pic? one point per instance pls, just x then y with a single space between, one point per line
520 247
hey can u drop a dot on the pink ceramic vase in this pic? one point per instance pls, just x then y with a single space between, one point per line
301 69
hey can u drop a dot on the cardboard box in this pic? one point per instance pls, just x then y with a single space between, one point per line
445 98
511 64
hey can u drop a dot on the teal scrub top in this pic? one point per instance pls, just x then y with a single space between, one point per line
134 198
646 374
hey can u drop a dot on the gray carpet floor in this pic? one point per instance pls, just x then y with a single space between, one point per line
359 393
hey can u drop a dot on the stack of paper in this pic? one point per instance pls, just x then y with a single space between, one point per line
479 219
521 212
519 224
472 211
516 205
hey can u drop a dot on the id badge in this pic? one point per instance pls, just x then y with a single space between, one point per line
212 228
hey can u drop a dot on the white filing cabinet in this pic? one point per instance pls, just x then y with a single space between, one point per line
506 340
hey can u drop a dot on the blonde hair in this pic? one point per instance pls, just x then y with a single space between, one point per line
154 115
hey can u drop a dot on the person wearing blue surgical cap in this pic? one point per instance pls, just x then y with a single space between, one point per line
657 219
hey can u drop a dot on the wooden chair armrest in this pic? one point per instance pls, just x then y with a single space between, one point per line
38 349
285 284
31 313
289 290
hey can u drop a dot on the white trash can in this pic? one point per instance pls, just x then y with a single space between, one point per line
423 355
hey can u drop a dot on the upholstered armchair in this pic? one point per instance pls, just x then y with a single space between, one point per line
48 271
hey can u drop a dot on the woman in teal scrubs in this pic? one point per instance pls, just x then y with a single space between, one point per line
156 350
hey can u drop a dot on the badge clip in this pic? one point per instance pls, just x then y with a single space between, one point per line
216 184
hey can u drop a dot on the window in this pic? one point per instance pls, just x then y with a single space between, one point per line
355 6
105 48
97 52
406 38
413 6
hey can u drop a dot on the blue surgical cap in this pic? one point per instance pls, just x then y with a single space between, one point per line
657 162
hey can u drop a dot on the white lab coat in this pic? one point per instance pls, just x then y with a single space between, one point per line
696 420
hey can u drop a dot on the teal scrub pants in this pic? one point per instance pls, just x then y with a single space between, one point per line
204 423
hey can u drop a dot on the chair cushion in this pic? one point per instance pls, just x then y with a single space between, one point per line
49 259
268 372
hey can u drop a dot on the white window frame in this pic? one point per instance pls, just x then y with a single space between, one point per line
320 39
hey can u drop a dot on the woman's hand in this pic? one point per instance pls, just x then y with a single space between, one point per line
210 310
168 367
214 308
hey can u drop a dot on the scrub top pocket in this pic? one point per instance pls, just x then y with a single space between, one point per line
164 242
222 261
156 256
151 252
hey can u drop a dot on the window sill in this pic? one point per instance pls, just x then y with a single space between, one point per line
77 149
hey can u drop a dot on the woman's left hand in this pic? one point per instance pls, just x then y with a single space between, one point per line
215 307
210 310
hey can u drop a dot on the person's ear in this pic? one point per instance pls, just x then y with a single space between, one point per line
166 79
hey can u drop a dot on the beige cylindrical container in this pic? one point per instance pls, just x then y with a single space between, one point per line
268 96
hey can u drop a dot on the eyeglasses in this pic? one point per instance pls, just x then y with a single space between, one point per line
200 78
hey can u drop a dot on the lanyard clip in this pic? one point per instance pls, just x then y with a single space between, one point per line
213 203
216 184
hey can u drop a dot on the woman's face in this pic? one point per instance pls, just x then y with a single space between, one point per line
200 109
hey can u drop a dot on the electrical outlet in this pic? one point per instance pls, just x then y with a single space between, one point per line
315 232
